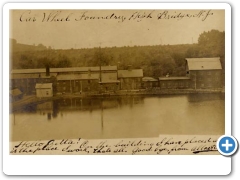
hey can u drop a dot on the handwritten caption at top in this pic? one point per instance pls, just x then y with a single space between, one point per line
138 16
164 145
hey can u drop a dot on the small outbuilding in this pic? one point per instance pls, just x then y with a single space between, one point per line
44 90
15 94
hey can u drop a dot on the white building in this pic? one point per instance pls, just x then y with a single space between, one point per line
44 90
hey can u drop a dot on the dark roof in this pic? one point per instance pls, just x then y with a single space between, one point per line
43 86
70 69
63 77
146 79
15 92
130 73
204 63
173 78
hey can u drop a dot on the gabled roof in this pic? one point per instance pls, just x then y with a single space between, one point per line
43 86
204 63
146 79
69 69
130 73
173 78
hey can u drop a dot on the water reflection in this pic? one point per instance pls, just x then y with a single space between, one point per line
120 117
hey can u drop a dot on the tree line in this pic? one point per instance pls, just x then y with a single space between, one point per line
156 61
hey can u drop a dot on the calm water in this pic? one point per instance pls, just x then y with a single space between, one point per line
119 117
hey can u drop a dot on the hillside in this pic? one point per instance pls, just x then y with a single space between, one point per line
155 61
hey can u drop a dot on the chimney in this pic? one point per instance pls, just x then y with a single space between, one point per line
129 67
47 70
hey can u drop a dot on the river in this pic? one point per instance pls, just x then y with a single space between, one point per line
120 117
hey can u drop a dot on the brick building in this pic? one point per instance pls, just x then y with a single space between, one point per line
204 72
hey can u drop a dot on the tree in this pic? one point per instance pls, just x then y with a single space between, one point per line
63 61
212 43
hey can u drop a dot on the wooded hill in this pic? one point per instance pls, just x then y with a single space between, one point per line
155 61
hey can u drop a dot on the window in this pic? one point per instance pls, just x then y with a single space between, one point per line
47 93
209 73
210 85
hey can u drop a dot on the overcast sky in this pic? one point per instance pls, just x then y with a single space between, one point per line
88 28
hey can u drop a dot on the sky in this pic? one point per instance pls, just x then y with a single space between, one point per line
65 29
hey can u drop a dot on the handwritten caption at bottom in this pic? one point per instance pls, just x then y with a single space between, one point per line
164 145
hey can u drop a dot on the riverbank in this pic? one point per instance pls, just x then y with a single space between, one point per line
32 99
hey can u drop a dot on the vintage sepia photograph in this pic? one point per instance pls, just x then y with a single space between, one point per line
116 74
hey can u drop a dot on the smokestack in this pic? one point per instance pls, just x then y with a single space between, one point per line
47 70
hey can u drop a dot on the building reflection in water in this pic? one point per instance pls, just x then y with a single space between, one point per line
119 117
52 109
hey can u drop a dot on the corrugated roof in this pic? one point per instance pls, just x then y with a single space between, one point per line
63 77
173 78
204 63
70 69
43 86
149 79
15 92
130 73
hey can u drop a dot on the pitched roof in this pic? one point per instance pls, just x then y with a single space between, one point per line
43 86
130 73
173 78
146 79
204 63
63 77
70 69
